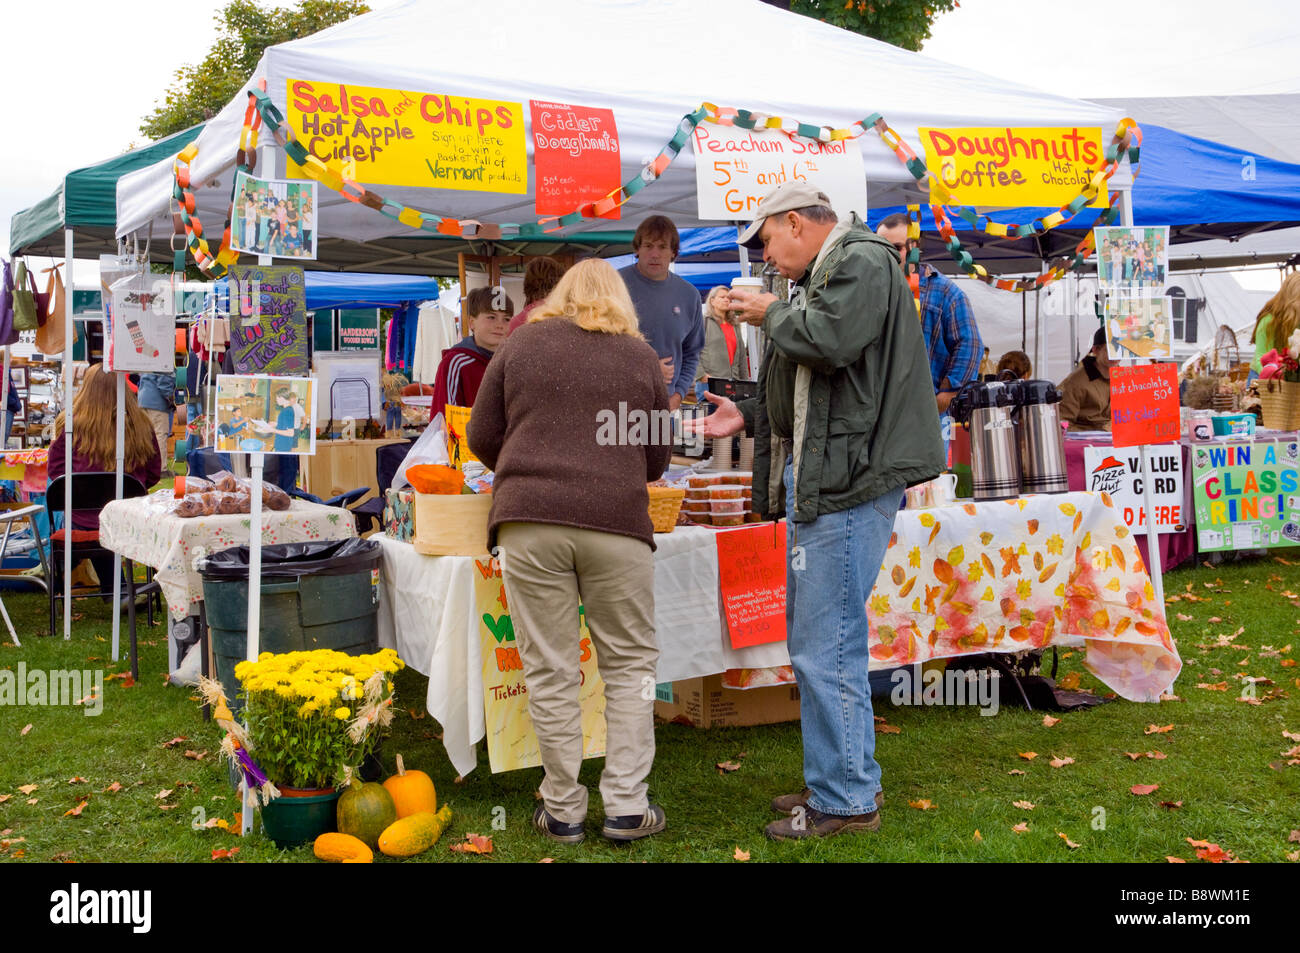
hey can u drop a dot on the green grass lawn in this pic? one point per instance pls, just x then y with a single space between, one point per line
1225 762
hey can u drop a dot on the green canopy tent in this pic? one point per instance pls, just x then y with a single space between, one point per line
86 203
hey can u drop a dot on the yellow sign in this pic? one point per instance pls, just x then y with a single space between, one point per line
1008 167
394 137
512 744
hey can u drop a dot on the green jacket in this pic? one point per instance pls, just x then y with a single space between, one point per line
847 378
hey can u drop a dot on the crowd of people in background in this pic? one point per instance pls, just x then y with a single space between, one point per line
270 225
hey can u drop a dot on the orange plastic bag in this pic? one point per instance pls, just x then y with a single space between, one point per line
435 478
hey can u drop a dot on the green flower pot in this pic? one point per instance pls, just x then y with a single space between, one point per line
299 817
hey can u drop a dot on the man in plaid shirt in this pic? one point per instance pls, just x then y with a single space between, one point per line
948 323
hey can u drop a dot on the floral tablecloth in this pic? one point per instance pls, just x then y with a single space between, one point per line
144 529
27 467
1021 574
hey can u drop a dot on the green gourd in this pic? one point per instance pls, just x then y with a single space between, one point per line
365 810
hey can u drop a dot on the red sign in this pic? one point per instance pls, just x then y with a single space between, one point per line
751 577
1143 404
575 151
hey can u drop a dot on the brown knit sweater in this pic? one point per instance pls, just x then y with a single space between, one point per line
543 420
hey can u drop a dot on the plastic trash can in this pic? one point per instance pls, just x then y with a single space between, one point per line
314 596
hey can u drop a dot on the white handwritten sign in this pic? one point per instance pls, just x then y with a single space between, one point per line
735 168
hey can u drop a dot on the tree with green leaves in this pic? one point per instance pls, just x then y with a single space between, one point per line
245 30
902 23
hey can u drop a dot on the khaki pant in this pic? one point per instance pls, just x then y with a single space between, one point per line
547 569
162 429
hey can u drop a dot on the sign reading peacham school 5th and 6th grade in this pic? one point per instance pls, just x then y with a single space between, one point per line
395 137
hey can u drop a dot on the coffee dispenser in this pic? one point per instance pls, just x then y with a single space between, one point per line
994 459
1041 443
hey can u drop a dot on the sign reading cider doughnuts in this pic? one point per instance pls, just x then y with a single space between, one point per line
575 149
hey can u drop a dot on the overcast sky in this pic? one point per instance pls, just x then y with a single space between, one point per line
92 71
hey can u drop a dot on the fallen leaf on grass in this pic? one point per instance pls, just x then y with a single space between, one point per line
1023 805
741 854
1015 771
196 755
76 811
1172 805
547 860
28 788
5 797
1214 854
415 715
1158 729
77 780
1214 620
175 741
921 805
1182 617
1294 855
1021 828
1164 697
1141 789
1157 755
221 853
113 788
978 836
726 767
32 800
1175 860
888 730
1069 681
1048 721
1294 838
1060 762
1287 663
26 728
474 844
1068 843
163 794
62 857
1029 755
1294 736
1216 687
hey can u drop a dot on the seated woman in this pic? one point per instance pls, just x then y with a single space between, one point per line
570 512
94 445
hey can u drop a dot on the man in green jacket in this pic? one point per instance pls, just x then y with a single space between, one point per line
844 420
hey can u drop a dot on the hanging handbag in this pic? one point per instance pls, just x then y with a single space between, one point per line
50 336
28 305
7 333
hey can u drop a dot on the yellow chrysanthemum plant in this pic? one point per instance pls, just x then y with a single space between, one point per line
312 717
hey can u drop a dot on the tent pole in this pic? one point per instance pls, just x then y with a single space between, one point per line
68 340
120 438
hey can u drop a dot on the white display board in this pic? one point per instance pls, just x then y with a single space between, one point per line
1119 473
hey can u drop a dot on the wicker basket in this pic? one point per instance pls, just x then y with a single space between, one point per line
1280 402
665 502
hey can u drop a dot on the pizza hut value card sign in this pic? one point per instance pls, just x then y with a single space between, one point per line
575 150
1119 473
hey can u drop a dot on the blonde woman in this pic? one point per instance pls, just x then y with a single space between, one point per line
1276 321
724 352
569 523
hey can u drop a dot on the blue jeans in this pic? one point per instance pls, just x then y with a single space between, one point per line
831 566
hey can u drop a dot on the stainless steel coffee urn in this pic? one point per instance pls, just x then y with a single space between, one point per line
994 461
1041 444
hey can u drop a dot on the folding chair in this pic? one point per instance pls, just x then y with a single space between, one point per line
90 493
387 459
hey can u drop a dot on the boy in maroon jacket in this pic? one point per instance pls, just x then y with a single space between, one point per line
489 311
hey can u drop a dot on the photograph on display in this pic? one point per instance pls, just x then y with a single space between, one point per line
275 217
261 414
1132 258
1138 326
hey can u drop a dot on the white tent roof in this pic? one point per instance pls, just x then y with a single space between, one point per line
651 61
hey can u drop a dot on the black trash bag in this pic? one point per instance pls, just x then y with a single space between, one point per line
340 557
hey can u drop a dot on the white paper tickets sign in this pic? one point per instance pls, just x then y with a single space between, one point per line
1118 472
143 320
735 168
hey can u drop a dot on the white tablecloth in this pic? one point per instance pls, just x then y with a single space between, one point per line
426 615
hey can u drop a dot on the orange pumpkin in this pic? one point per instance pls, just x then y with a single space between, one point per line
412 791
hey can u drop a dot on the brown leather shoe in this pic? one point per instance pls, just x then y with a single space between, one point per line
786 803
813 823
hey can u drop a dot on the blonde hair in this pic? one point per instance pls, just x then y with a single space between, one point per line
94 431
591 295
1284 307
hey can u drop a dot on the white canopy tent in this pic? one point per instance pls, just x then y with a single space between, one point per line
650 61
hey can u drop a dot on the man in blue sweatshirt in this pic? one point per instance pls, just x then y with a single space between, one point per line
667 306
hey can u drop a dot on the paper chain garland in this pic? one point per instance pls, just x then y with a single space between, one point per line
262 110
245 160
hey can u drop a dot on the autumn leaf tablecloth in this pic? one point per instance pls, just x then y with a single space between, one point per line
145 530
1022 574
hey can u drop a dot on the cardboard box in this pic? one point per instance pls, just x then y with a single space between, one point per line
451 525
705 703
399 514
